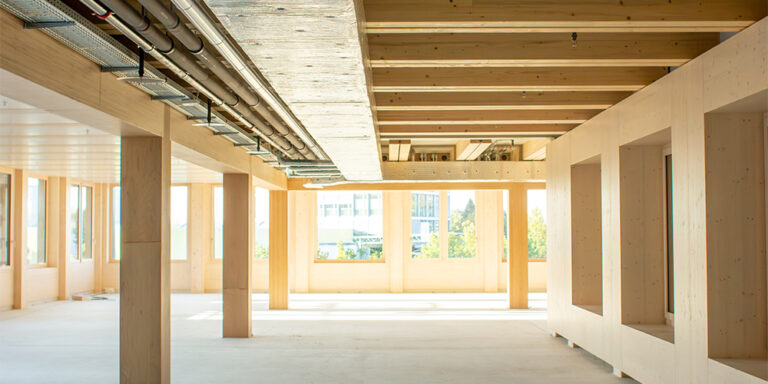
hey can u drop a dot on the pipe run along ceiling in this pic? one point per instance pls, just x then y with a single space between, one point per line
310 51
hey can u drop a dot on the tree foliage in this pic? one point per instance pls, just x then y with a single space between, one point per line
537 235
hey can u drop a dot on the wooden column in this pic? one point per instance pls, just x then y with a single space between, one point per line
238 254
62 258
397 232
199 234
517 283
19 238
145 259
278 249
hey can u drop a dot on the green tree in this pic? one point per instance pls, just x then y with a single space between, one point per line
537 235
431 250
260 252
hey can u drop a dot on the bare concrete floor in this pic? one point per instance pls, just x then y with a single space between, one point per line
357 338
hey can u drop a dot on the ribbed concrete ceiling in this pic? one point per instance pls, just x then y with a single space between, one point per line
310 52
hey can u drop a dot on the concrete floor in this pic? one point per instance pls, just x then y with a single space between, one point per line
358 338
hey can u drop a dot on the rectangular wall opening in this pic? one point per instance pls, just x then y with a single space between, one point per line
587 236
646 243
737 304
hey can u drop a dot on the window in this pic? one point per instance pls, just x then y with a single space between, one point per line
668 238
179 212
5 219
425 224
461 224
80 214
73 215
261 225
505 209
587 236
537 226
349 236
36 221
116 223
218 223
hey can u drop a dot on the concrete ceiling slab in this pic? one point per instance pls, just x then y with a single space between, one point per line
310 51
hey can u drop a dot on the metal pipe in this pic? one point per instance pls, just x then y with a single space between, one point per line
207 27
185 63
196 46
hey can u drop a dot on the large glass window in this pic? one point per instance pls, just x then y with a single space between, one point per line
425 225
218 222
73 216
537 227
86 223
261 225
80 216
179 212
349 225
116 223
505 210
5 219
35 221
461 224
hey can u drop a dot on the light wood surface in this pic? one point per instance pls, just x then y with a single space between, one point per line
237 246
18 226
517 287
586 236
145 261
278 250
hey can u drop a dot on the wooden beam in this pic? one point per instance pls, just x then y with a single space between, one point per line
19 236
278 250
484 117
521 171
436 16
538 50
469 130
467 150
495 101
145 289
513 79
399 150
517 286
535 149
297 184
238 254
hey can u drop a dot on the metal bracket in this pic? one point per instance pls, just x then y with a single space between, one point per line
244 144
48 24
225 133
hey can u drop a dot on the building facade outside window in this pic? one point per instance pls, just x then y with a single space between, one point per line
5 219
261 223
425 225
36 221
537 225
116 222
218 222
80 218
350 225
179 214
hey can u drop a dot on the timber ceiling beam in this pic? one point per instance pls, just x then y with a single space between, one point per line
537 50
474 131
530 79
484 117
495 101
518 16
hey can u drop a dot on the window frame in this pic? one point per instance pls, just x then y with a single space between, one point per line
11 203
444 212
669 317
81 189
188 237
383 258
527 187
34 175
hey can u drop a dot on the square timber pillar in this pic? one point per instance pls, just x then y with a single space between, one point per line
278 249
238 254
517 281
145 312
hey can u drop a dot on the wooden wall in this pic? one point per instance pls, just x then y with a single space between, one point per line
731 79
